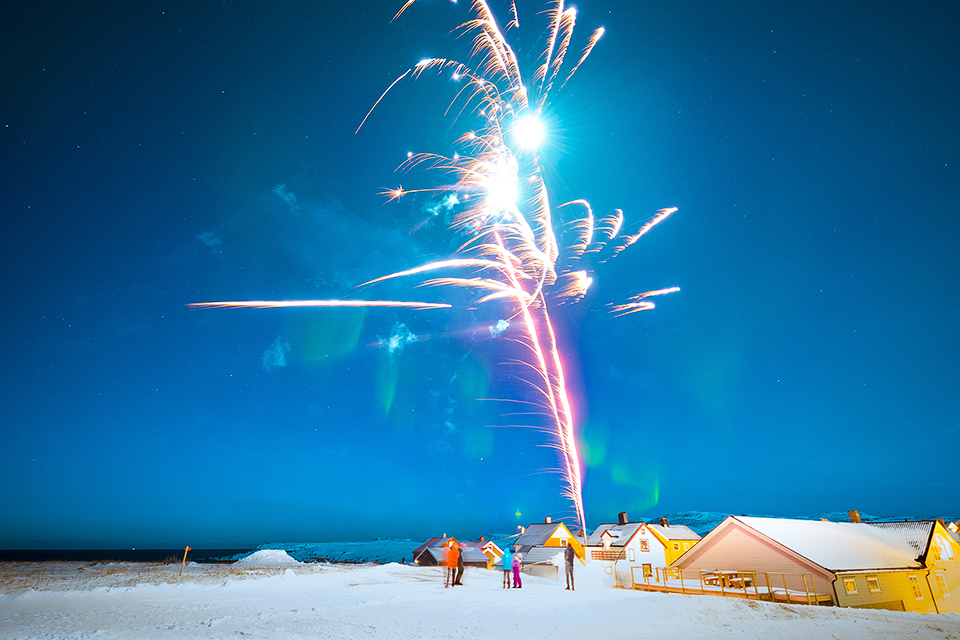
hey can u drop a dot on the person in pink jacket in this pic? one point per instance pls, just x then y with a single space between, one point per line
517 565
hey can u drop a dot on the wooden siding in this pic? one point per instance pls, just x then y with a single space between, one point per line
738 548
943 559
895 587
625 566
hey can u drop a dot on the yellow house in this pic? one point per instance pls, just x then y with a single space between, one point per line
676 540
940 557
488 548
943 562
541 544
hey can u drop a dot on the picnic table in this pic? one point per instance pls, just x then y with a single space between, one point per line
728 579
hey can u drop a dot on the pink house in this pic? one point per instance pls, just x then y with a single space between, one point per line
840 563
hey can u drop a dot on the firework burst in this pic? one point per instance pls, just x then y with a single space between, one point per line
510 251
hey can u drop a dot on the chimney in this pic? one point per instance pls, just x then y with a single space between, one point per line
664 523
444 535
547 520
622 517
854 516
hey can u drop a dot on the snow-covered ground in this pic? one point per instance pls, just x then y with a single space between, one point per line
271 595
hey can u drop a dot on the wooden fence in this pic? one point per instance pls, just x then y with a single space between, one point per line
752 585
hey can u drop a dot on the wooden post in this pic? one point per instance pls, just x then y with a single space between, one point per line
185 549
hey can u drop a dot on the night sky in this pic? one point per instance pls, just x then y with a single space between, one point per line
160 154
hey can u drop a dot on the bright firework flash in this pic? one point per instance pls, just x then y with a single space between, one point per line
510 253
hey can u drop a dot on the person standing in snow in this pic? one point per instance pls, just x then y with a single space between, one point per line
459 580
568 557
507 567
517 565
450 562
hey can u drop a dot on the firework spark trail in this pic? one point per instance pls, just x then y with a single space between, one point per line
511 249
278 304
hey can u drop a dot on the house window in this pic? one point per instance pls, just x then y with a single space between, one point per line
686 546
631 555
676 546
874 584
563 542
648 571
850 585
915 584
942 583
644 544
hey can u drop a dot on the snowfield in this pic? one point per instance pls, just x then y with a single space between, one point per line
271 595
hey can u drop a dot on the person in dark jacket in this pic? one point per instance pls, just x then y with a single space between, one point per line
568 556
459 580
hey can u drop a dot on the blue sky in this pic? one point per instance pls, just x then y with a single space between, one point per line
160 155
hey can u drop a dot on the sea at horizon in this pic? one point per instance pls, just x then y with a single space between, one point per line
122 555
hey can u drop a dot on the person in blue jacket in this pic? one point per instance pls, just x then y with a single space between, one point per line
507 567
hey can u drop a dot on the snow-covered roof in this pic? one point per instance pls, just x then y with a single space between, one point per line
537 534
432 542
954 535
914 534
838 546
484 544
544 555
439 554
621 534
471 555
675 532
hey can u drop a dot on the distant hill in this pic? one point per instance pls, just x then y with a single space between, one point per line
381 550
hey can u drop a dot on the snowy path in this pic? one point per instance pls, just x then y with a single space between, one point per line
400 602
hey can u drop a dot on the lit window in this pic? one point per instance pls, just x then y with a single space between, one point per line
850 585
686 546
942 583
874 584
647 571
631 555
917 591
644 544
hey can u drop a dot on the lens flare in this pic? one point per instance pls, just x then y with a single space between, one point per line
511 255
529 132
